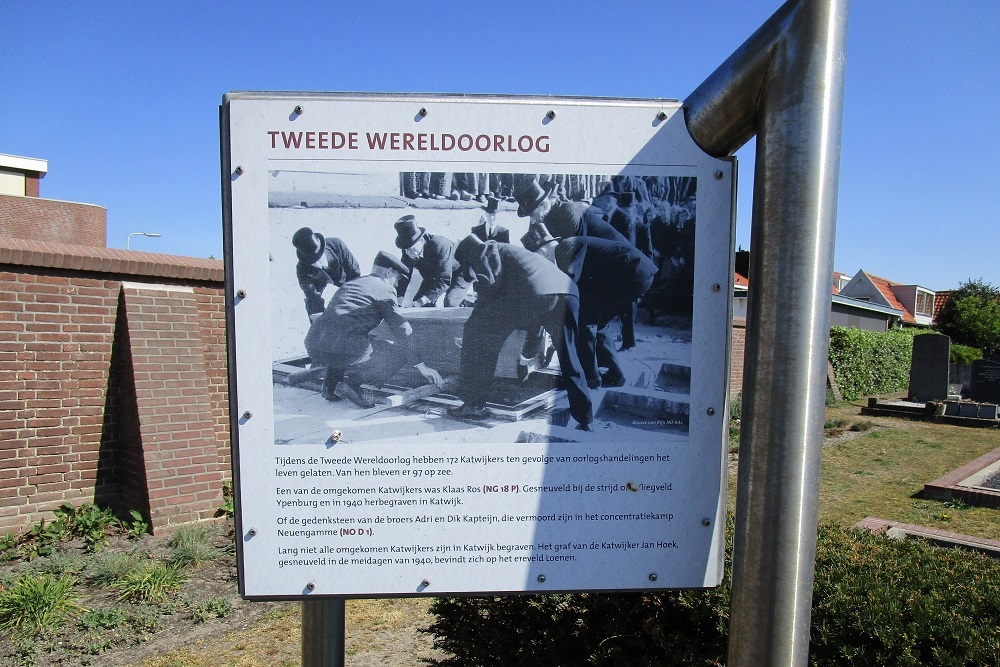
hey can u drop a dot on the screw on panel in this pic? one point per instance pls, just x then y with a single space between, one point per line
423 111
336 436
706 522
425 583
252 532
298 109
551 114
710 411
716 287
719 175
238 170
241 294
310 586
662 116
652 576
541 578
631 486
247 415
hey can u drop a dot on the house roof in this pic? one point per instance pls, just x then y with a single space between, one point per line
940 298
883 285
837 275
740 280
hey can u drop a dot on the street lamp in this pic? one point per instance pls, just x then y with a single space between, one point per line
129 238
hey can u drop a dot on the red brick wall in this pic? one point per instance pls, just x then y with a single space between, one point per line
53 221
81 416
31 179
739 339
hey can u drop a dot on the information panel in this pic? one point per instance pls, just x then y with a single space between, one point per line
477 344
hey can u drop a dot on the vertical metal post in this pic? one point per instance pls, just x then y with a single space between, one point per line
323 632
785 84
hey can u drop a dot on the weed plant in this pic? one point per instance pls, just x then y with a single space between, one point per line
58 564
34 603
109 618
191 545
228 508
149 582
109 567
90 522
214 607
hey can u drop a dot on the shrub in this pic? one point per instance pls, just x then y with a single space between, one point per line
868 363
876 601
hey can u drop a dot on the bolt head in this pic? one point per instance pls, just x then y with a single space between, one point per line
247 414
252 532
298 109
719 175
551 114
541 578
652 576
423 111
425 583
311 586
706 522
238 170
662 116
241 294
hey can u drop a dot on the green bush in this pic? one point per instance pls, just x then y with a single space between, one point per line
876 601
964 355
867 363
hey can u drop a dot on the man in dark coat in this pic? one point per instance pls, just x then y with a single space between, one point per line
517 290
322 262
433 257
563 218
611 276
488 229
340 337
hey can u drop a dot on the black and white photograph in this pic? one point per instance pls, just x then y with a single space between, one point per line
447 307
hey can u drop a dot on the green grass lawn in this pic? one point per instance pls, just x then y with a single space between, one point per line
882 471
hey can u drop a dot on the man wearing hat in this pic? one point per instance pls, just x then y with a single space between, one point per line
433 257
322 262
340 338
488 229
517 290
562 218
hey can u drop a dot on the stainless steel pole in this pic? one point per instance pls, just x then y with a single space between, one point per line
785 84
323 632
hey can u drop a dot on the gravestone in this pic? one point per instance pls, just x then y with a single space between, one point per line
929 367
985 386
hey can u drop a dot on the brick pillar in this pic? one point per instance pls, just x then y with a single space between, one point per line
173 407
739 337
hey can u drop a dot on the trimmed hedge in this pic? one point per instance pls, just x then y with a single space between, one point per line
876 601
868 363
963 355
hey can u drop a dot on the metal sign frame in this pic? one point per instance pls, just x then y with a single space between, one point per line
785 85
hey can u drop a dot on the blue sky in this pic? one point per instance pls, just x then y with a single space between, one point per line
122 100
